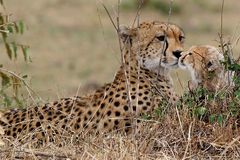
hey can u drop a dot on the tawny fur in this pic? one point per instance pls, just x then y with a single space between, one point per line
206 68
139 86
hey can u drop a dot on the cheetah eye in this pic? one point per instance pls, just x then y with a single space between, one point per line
161 38
190 53
181 38
209 64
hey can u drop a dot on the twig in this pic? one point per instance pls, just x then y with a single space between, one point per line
221 28
230 145
179 81
237 40
165 39
7 23
170 148
4 31
103 33
118 15
180 123
189 139
110 17
42 154
138 11
119 37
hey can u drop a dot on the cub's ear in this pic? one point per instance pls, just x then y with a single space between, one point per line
126 33
211 66
214 66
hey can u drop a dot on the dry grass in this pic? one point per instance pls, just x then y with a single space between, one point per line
178 135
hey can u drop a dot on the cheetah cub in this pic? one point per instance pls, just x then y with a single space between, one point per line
204 64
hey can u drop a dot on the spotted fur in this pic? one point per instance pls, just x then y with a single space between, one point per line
138 87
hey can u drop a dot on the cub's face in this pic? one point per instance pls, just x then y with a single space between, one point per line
156 43
203 62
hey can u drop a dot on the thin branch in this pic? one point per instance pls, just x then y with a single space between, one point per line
138 13
170 10
230 145
118 14
165 39
7 23
119 37
110 17
180 123
42 154
188 141
179 81
103 33
221 28
4 31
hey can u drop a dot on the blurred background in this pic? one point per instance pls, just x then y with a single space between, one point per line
74 47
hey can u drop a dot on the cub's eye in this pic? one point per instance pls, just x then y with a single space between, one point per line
161 38
190 53
181 38
209 64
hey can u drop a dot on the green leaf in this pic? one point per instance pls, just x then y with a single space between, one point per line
10 28
5 79
16 27
220 119
14 46
21 27
146 117
237 94
200 111
6 99
158 112
25 52
234 67
212 118
234 108
9 51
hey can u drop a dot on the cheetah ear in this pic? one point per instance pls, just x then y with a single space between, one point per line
126 33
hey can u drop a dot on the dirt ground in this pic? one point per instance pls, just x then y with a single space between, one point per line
73 43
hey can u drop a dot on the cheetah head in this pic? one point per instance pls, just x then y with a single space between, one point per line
204 64
154 44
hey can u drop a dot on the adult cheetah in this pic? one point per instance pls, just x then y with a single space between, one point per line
140 84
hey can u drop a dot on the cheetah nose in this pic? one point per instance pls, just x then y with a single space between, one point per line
177 53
